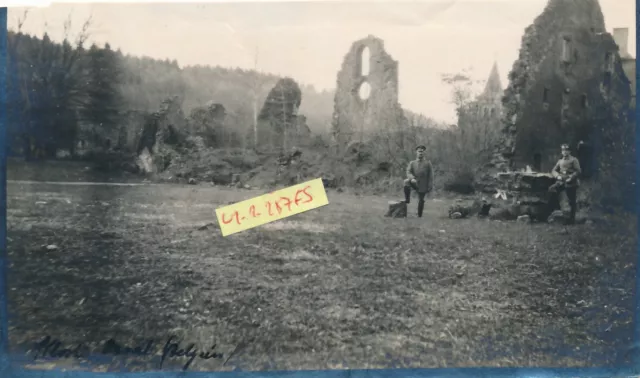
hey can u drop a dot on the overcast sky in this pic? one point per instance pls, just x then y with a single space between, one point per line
308 40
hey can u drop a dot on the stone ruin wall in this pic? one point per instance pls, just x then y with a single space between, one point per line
555 88
157 130
355 118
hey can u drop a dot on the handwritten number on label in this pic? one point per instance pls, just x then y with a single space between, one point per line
224 220
278 207
271 207
301 196
235 214
287 202
310 198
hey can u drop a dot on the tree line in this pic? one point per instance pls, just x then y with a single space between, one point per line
60 93
54 87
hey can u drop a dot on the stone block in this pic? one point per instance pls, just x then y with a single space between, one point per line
397 209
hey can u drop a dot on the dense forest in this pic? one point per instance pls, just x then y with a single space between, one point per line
58 90
149 81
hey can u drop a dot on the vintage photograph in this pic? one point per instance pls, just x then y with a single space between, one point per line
478 157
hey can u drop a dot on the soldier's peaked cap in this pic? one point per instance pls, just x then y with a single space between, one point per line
564 146
421 147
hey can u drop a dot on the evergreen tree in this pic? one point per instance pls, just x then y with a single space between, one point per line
104 98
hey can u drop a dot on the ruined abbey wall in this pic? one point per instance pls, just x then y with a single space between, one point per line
356 116
566 85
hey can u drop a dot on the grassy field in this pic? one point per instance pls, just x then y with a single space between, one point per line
336 287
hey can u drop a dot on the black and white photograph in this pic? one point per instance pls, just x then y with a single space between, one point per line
478 157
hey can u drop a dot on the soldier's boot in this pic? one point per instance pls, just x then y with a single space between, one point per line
420 208
572 216
407 194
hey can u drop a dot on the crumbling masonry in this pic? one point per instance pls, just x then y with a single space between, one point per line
161 128
366 99
567 86
567 71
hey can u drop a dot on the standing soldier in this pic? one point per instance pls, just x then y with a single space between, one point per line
419 177
566 172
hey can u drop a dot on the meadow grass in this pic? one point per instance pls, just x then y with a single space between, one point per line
340 286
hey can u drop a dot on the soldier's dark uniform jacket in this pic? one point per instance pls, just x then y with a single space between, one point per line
569 169
422 172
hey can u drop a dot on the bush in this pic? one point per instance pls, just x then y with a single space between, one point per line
319 142
462 182
164 157
194 143
241 159
111 160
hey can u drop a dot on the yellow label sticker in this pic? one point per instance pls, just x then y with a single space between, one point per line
272 206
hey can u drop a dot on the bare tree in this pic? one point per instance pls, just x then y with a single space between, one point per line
285 121
255 87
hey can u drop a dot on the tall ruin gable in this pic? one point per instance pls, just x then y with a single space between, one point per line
493 91
567 83
488 104
366 99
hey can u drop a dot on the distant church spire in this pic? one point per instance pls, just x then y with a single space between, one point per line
494 85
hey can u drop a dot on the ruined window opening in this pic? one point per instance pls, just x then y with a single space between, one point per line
492 112
565 102
606 81
364 91
365 58
583 101
545 96
566 50
585 155
537 162
609 59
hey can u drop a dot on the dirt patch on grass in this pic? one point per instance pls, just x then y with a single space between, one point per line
298 226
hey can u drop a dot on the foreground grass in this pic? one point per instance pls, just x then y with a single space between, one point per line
336 287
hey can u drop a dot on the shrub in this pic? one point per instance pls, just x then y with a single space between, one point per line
461 182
